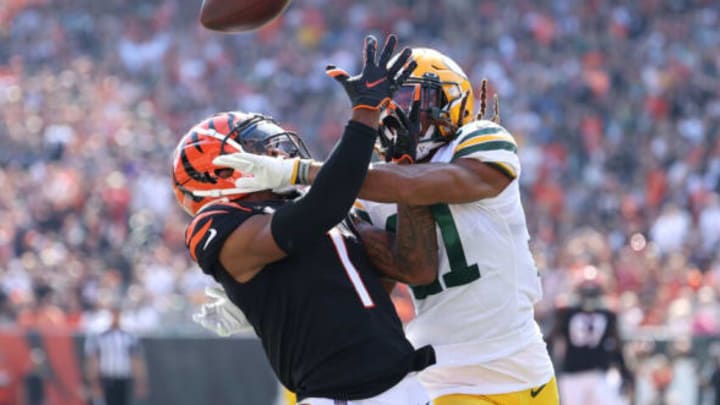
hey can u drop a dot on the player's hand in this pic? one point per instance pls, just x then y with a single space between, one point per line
220 316
374 87
402 147
264 172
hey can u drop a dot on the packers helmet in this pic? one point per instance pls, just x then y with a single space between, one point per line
447 100
198 182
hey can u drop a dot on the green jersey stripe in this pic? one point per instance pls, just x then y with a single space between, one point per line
502 168
484 131
492 145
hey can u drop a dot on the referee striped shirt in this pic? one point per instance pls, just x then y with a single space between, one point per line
114 349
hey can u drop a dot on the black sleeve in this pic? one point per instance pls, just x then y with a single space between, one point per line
298 225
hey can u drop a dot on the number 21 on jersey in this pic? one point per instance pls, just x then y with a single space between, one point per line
461 272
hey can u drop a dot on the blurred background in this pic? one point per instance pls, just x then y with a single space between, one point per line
615 106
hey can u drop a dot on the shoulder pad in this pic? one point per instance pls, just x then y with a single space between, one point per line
208 230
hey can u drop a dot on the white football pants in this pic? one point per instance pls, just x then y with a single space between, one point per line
408 391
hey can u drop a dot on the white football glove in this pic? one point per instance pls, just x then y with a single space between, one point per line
266 172
220 315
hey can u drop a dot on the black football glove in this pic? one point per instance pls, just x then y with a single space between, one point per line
403 147
374 87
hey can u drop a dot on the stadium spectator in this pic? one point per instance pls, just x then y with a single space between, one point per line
671 229
6 380
41 313
7 317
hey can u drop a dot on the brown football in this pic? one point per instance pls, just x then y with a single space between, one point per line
239 15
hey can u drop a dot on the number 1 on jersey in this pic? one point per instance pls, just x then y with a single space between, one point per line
350 269
460 271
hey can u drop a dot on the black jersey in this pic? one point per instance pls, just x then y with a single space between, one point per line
590 337
325 322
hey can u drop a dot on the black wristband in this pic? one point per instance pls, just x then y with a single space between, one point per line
298 224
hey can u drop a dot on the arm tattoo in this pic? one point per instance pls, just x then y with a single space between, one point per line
408 255
416 241
379 248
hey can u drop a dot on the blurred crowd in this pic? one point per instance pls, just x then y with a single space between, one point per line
615 106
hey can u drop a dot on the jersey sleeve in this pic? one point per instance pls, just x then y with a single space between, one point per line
209 229
490 143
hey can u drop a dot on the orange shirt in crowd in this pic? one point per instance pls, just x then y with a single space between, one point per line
48 316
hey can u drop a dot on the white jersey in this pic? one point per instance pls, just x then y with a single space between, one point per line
479 312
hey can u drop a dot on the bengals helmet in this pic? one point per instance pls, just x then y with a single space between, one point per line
198 182
447 100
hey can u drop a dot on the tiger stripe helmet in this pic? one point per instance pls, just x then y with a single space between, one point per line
198 182
447 97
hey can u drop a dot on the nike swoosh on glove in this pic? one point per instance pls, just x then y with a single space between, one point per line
374 87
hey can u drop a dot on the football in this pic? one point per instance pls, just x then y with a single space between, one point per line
239 15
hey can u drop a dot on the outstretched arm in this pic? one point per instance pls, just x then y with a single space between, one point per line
462 181
481 167
263 239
